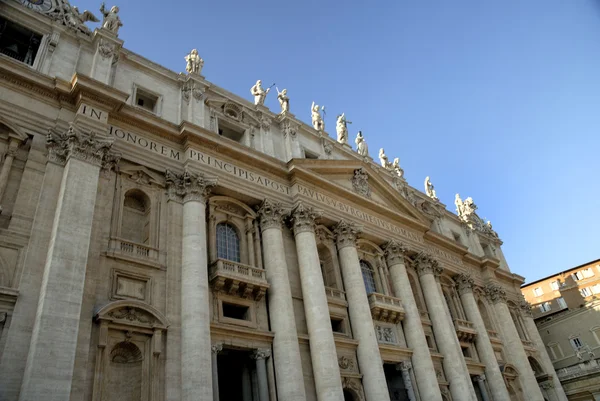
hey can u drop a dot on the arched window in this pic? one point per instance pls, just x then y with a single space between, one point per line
327 266
415 290
228 242
450 305
484 315
135 223
368 277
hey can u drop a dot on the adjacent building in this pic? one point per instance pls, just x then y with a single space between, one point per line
566 310
164 239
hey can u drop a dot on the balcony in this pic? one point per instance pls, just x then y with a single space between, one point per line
385 308
335 296
464 330
132 251
580 370
238 279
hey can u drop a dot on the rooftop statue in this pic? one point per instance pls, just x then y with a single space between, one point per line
111 22
341 128
194 62
259 93
361 145
71 17
383 159
317 120
429 189
284 101
396 167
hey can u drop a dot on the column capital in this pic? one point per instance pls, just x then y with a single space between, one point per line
271 214
404 366
424 263
480 378
303 218
188 186
216 348
464 283
495 293
80 144
261 353
525 307
394 252
345 233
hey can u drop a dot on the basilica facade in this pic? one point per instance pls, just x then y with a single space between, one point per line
164 239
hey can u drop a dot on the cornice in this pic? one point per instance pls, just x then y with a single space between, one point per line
447 243
89 90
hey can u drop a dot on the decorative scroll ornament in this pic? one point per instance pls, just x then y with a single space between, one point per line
190 90
345 363
271 214
303 219
495 293
394 252
80 144
261 353
216 348
188 186
424 263
290 129
346 233
106 49
360 182
525 307
405 366
464 283
132 314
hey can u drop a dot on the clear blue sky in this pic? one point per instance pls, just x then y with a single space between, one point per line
497 100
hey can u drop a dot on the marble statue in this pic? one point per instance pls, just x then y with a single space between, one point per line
194 62
71 17
341 128
459 205
259 93
361 145
284 101
383 159
396 167
111 22
317 120
430 189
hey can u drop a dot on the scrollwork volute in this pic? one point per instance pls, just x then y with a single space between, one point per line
271 214
303 219
394 252
405 366
261 353
79 144
346 234
216 348
188 186
424 263
495 293
464 283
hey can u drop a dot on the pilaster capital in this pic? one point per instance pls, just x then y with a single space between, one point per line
12 151
495 293
261 353
405 366
464 283
480 378
271 214
216 348
80 144
424 263
547 385
525 307
188 186
346 234
303 218
394 252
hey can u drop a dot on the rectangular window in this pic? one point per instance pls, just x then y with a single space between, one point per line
457 237
577 276
18 42
310 155
554 285
337 325
586 292
545 307
234 311
466 352
561 303
596 289
538 292
587 273
576 343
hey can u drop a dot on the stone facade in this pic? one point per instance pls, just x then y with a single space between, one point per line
164 239
565 310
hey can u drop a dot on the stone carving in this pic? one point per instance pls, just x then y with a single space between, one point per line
323 235
383 159
3 316
106 49
430 189
110 162
132 314
341 128
303 218
289 128
547 385
346 234
111 21
361 145
284 101
188 186
360 182
271 214
396 168
345 363
394 252
71 17
194 62
405 366
424 263
261 353
80 144
385 335
216 348
464 283
317 120
495 293
259 93
525 307
466 211
191 89
353 383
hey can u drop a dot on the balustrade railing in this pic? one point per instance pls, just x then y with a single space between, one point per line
386 308
238 279
130 249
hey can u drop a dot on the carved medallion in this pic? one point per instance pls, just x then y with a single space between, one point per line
360 182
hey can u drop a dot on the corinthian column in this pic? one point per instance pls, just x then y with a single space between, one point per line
59 309
541 347
196 365
369 358
482 341
322 346
455 367
512 343
286 351
422 364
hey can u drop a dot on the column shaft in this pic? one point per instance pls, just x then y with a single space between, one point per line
405 367
482 389
250 242
215 369
286 351
422 363
246 384
261 373
369 358
6 167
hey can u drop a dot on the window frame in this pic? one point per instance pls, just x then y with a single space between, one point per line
366 266
159 99
536 290
231 229
561 302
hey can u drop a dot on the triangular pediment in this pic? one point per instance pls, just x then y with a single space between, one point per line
358 181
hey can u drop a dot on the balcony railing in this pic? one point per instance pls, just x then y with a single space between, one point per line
465 330
238 279
126 249
579 370
336 296
385 308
